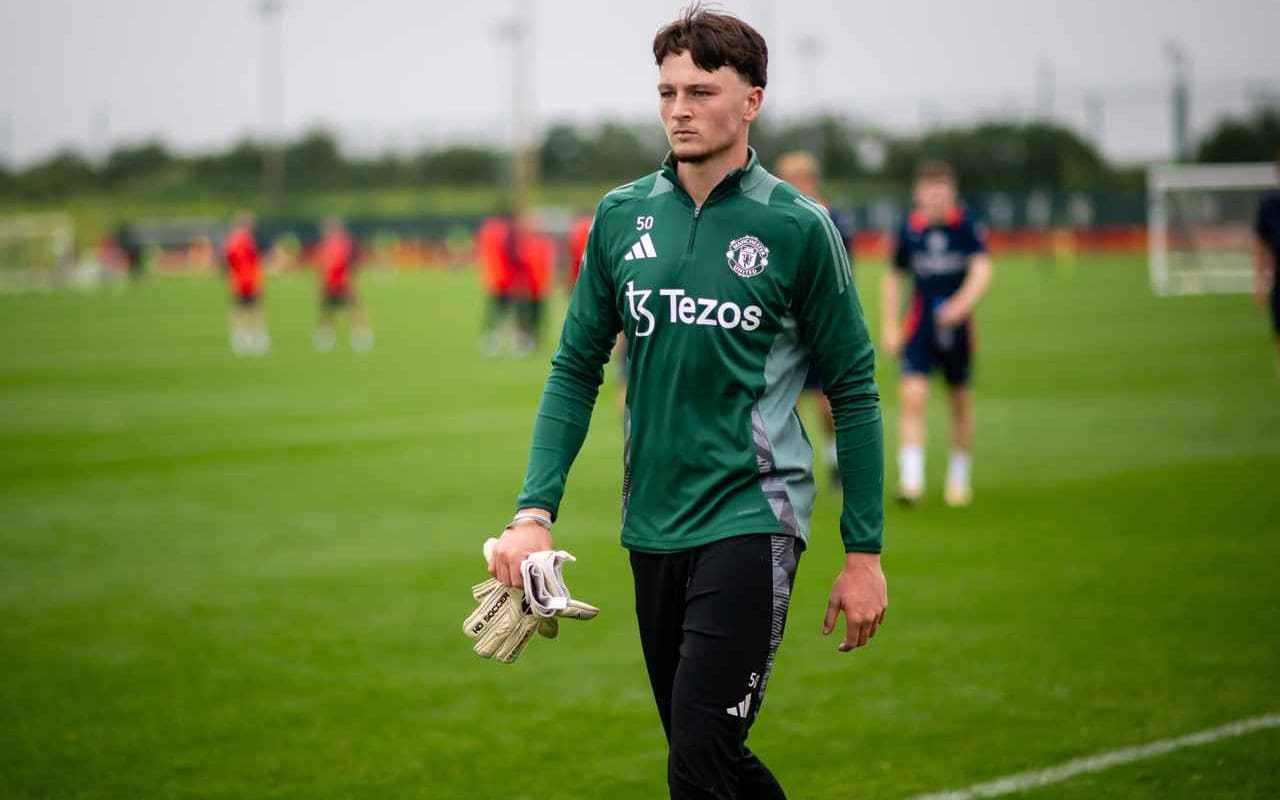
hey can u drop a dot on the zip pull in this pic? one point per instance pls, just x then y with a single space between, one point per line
693 229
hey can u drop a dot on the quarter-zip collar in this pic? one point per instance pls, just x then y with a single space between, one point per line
730 184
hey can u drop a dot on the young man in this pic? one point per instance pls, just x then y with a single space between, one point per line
244 270
336 255
1266 256
800 169
496 245
577 241
726 283
942 253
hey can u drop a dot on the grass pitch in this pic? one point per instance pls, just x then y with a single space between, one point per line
239 578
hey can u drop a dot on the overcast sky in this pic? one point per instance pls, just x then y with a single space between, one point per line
92 73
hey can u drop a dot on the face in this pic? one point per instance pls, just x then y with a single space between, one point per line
935 197
804 179
704 113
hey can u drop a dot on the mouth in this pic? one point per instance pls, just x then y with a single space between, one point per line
683 133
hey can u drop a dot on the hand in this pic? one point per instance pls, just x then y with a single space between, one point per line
859 592
951 313
513 546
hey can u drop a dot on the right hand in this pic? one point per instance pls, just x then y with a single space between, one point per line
513 546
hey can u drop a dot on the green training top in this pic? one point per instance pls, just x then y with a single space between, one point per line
723 307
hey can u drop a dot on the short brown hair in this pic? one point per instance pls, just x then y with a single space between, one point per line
715 40
798 160
936 171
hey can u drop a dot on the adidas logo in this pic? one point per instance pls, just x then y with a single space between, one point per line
741 709
641 250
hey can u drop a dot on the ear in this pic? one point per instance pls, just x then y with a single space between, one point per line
754 100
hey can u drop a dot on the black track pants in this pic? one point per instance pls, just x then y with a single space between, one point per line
711 620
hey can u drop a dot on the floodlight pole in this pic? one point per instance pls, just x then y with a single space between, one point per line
1045 90
518 32
1095 116
1181 99
811 50
271 96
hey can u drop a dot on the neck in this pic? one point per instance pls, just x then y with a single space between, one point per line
939 214
699 179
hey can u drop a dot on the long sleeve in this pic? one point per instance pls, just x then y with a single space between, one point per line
835 333
577 370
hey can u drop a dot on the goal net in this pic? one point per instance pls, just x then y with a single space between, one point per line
1200 225
36 251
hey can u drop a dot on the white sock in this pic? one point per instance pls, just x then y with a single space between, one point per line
958 468
831 452
361 340
323 339
911 467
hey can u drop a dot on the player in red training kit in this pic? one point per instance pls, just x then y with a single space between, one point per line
534 263
244 269
577 246
495 246
336 256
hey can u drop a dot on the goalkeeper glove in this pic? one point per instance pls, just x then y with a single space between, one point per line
506 617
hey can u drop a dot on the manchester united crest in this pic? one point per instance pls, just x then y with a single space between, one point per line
747 256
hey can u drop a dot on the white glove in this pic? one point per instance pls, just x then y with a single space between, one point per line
506 618
544 585
502 623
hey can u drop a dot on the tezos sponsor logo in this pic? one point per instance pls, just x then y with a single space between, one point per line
684 309
747 256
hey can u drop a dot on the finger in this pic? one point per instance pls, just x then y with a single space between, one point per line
513 567
864 633
502 573
850 635
829 621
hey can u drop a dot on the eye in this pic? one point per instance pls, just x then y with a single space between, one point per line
666 94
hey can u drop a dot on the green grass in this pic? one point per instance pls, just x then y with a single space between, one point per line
245 578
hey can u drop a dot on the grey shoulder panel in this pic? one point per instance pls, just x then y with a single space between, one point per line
660 186
759 184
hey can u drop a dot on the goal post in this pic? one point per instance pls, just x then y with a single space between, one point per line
1200 225
35 250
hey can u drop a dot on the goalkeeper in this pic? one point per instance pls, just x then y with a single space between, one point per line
726 283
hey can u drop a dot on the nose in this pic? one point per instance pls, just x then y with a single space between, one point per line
681 108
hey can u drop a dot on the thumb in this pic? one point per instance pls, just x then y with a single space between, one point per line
833 610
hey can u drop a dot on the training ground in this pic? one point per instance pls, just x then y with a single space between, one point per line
245 578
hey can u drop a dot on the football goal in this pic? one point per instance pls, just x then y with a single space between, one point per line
1200 225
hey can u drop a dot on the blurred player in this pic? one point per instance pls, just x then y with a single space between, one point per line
533 261
1266 257
722 278
496 244
943 254
244 269
336 255
577 247
800 169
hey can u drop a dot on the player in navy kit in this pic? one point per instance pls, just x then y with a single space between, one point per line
800 169
1266 256
942 252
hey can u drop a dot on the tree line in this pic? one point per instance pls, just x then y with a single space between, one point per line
987 156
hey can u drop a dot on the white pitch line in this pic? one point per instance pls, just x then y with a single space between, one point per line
1111 758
